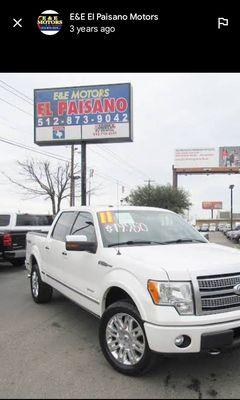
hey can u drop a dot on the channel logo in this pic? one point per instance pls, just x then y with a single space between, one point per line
49 22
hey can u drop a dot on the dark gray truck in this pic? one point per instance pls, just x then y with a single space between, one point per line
13 230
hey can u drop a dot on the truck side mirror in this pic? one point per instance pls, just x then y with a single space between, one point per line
80 243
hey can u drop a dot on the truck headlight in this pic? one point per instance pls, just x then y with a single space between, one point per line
176 294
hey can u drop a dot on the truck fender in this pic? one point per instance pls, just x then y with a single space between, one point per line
128 282
35 253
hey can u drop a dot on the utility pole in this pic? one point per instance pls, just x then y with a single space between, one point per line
149 183
72 194
175 177
231 188
149 188
91 172
83 174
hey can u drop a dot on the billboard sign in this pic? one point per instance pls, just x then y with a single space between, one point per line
212 205
196 158
211 157
90 114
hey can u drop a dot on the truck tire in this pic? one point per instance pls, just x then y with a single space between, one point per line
41 292
123 340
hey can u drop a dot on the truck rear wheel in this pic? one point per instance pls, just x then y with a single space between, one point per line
123 340
41 292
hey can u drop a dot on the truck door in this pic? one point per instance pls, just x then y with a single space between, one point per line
84 274
55 254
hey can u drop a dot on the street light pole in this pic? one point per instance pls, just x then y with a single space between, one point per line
231 188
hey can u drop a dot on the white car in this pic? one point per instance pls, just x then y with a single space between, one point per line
221 227
204 228
155 283
212 227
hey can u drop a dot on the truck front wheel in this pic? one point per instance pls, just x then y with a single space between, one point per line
41 292
123 340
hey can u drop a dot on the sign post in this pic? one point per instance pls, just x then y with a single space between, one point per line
84 174
82 115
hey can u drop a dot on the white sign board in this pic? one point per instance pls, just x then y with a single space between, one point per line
196 158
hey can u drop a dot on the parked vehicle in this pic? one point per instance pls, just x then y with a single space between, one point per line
220 227
235 237
13 230
226 228
204 228
155 283
212 227
232 234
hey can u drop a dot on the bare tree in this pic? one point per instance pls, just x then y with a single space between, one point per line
39 178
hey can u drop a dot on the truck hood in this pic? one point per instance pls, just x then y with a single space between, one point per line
183 261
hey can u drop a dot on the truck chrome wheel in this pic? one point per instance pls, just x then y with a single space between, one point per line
35 284
41 291
125 339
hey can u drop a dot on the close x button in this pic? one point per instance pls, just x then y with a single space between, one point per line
17 23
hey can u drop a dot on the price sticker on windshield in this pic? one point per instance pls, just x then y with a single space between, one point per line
135 227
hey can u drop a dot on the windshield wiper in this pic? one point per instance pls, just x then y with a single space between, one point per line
184 241
132 242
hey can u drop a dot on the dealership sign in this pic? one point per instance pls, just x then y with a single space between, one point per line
212 205
208 157
90 114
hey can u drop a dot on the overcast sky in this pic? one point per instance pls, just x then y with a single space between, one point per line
169 111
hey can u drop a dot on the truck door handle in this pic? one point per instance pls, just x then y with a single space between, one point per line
64 253
47 248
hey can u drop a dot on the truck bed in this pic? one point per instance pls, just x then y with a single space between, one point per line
34 239
18 241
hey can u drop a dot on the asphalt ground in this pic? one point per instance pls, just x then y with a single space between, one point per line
220 238
52 351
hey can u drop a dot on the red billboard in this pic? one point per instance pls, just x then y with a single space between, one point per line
212 205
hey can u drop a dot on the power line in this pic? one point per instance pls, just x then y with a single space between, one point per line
122 160
113 179
25 147
18 91
13 105
101 155
17 95
16 144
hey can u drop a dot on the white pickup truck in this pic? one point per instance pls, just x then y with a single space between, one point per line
157 284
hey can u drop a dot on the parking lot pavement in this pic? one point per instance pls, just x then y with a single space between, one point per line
52 351
220 238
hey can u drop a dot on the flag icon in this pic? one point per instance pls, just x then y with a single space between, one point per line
58 132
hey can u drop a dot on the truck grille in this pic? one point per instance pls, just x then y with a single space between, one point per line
217 294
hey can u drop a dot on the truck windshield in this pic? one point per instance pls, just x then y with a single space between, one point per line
145 227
